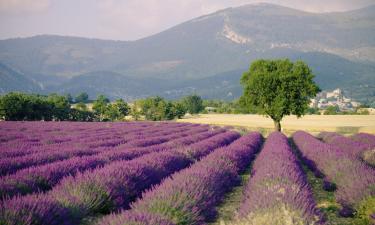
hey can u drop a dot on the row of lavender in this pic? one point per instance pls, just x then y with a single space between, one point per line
19 139
54 153
359 145
105 189
355 181
190 196
278 192
42 178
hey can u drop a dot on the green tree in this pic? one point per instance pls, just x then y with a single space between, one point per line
100 107
332 110
14 106
69 98
60 106
117 110
122 107
313 111
179 110
156 108
82 97
39 108
277 88
112 113
20 106
193 104
136 111
81 115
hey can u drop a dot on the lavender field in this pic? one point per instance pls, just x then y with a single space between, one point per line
166 173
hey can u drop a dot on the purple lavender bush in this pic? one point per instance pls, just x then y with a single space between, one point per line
278 192
117 184
42 178
45 210
190 196
368 139
134 219
355 180
365 138
345 143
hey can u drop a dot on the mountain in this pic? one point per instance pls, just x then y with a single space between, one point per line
206 55
10 80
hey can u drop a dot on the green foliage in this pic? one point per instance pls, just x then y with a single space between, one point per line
365 210
105 111
100 107
227 107
332 110
69 98
193 104
277 88
122 107
312 111
60 106
156 108
179 109
19 106
81 115
135 111
82 97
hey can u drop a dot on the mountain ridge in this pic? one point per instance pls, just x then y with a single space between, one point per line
205 47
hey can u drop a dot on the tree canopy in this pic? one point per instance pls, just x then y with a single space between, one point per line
277 88
193 104
82 97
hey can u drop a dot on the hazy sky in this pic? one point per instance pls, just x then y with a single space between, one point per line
126 19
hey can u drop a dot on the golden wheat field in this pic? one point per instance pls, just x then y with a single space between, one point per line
344 124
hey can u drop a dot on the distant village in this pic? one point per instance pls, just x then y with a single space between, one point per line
336 98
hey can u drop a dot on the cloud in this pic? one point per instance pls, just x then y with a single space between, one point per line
21 6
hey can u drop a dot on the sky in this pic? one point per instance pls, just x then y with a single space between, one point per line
127 19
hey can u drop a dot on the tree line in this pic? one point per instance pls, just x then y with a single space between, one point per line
275 88
16 106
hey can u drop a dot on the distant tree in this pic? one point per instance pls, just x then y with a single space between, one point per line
277 88
193 104
150 108
60 106
156 108
39 108
179 110
122 107
20 106
100 107
135 111
112 113
81 115
14 106
69 98
117 110
313 111
169 111
82 97
332 110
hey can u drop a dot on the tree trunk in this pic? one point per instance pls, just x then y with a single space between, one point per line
277 125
